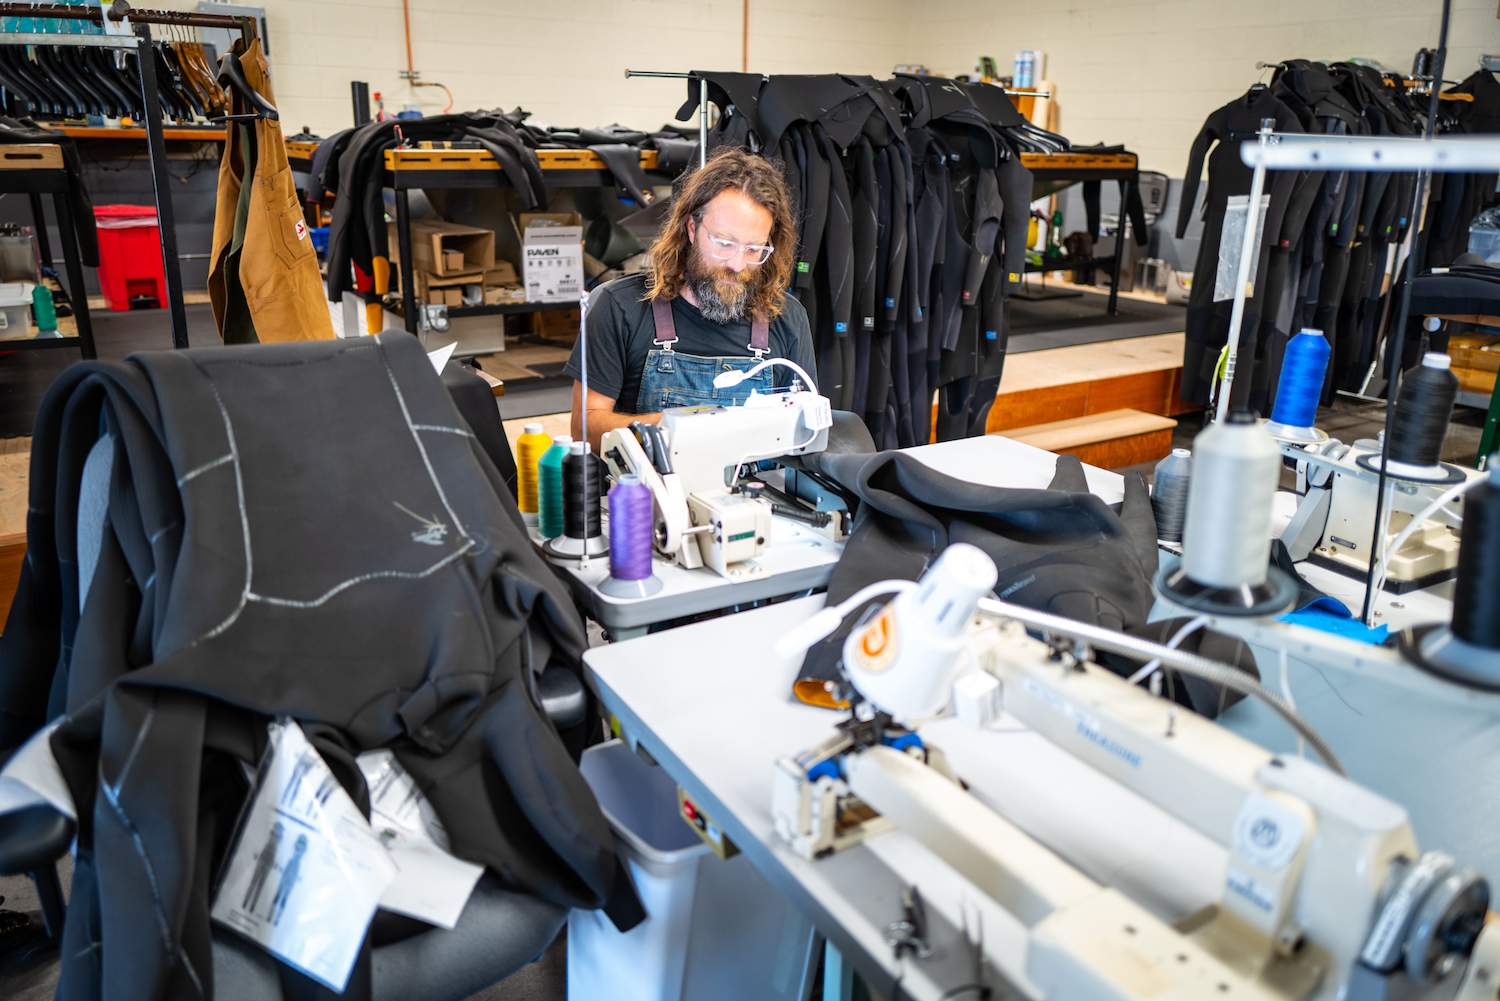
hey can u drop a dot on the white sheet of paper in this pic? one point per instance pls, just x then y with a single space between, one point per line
307 871
431 884
31 777
440 357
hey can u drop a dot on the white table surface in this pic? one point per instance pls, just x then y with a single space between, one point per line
711 702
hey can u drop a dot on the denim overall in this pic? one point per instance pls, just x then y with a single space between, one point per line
672 379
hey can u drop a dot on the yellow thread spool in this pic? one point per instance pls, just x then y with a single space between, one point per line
529 448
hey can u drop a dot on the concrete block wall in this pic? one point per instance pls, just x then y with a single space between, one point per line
1148 72
563 60
1142 72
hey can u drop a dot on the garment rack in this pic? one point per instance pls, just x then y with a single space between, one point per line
134 26
702 104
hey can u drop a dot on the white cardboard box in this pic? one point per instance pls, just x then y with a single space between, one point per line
553 263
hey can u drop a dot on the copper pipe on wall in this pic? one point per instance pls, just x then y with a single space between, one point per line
745 53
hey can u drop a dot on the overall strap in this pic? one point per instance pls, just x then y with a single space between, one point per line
760 335
666 327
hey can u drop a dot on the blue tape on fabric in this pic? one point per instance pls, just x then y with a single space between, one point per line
1318 616
890 302
989 335
841 328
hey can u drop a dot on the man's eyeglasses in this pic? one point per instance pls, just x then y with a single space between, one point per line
721 249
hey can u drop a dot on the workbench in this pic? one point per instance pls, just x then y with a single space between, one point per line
710 702
1051 172
36 169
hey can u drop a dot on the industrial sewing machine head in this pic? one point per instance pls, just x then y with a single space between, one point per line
1324 892
1335 520
691 462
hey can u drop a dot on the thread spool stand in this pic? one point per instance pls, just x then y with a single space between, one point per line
1298 389
631 541
582 538
1424 405
1226 568
1467 649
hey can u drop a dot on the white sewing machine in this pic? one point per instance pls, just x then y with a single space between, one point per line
1325 894
693 456
1335 520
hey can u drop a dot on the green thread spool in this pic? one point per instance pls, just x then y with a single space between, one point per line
549 482
43 310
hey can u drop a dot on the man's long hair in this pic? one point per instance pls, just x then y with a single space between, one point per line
758 180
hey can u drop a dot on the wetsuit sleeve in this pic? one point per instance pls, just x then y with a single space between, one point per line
608 338
1015 215
1190 176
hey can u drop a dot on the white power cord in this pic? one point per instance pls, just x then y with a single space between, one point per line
1188 628
1446 497
736 376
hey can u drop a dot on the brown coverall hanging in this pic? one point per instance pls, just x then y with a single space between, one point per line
264 282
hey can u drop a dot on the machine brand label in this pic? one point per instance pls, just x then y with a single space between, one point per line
1267 834
1343 542
1085 725
1250 888
879 643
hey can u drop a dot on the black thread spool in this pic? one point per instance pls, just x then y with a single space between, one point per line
1423 409
1468 650
1476 593
582 537
580 477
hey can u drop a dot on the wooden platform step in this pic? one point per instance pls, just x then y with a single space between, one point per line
1109 440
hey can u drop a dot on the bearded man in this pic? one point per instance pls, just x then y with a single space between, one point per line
714 299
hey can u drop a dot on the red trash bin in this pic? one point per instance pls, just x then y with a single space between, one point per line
130 265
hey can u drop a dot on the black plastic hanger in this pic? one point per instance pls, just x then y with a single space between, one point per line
232 75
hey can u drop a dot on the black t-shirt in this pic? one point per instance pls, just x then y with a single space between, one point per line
621 331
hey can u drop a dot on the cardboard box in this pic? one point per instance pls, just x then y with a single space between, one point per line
503 273
446 249
501 295
552 259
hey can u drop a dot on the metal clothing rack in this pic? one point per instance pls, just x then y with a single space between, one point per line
702 105
121 16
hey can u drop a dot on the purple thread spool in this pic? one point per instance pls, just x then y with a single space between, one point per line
630 536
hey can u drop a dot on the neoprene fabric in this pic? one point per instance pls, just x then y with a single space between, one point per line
1060 550
373 581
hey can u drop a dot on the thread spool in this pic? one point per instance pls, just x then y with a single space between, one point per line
580 481
630 538
582 533
549 488
530 447
1169 492
1300 387
1468 650
1226 535
1424 406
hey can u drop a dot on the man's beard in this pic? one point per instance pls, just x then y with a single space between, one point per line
723 296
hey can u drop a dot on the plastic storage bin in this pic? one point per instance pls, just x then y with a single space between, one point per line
130 265
15 311
716 929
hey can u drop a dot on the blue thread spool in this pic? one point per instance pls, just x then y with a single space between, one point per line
1301 385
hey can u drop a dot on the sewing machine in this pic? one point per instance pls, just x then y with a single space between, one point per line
690 459
1335 520
1325 894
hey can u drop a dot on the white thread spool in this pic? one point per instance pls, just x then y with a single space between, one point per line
1236 470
